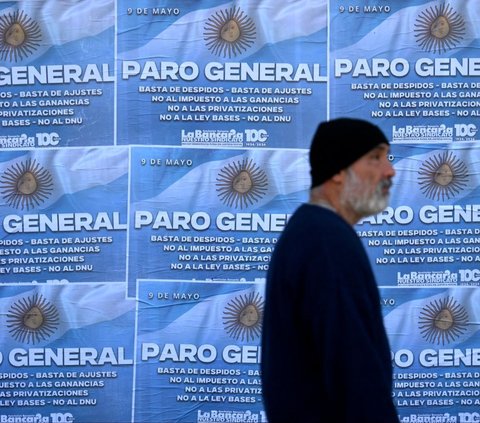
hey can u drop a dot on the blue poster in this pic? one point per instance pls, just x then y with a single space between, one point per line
198 352
56 73
67 353
429 235
410 67
63 215
221 74
210 214
434 340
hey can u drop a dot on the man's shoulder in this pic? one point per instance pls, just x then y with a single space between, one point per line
312 216
312 226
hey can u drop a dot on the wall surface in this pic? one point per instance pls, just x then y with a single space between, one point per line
150 156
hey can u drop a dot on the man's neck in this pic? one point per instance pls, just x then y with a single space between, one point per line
321 197
325 204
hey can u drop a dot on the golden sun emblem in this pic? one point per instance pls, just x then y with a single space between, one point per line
229 32
33 319
439 28
26 185
443 321
442 176
243 316
20 36
241 184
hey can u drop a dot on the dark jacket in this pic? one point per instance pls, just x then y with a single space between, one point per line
325 353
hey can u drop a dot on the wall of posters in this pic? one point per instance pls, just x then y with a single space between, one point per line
152 153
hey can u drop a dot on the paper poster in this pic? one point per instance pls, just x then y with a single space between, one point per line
198 347
67 353
410 67
63 215
435 354
213 214
222 74
429 234
56 73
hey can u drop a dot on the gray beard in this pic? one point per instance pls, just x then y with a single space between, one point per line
356 196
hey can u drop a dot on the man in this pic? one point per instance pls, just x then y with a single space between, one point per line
325 354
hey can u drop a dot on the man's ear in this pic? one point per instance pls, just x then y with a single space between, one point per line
339 177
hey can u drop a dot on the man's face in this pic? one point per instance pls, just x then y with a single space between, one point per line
367 183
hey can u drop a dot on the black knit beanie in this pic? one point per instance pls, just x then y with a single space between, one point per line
340 142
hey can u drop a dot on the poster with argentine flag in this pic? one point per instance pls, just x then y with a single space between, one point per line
198 345
63 215
429 235
433 334
56 73
245 73
410 67
67 353
210 214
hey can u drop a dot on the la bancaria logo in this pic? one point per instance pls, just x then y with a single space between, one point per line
37 418
433 418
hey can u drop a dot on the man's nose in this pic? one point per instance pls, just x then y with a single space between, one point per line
389 170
